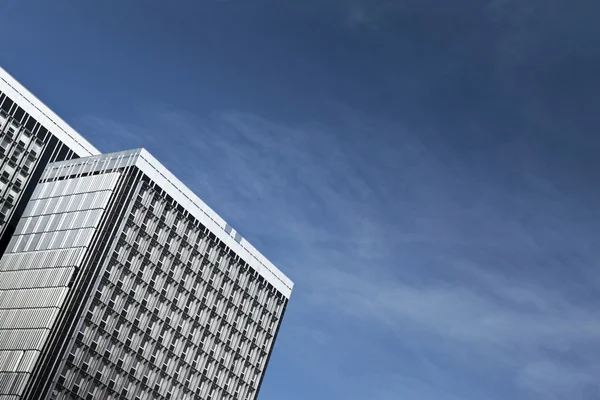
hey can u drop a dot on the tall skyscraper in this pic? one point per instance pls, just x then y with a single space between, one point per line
120 283
31 136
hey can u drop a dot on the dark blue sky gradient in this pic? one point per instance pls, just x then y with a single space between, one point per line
425 171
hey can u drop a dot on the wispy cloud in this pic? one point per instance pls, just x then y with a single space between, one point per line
499 317
552 380
429 271
548 342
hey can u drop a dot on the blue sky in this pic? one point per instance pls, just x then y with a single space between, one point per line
425 171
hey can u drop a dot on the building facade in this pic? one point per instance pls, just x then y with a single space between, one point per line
31 136
120 283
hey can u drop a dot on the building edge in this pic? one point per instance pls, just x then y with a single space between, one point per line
38 110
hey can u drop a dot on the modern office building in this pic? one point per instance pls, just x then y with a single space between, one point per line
31 136
120 283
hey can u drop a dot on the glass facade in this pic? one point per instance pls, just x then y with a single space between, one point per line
27 144
153 297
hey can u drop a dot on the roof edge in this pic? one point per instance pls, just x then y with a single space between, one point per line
38 110
175 188
199 209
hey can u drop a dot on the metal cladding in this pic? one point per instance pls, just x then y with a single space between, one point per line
147 293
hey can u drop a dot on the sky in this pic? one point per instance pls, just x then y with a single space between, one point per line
424 171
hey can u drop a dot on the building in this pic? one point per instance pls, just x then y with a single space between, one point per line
31 136
120 283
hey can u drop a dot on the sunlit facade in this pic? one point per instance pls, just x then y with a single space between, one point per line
120 283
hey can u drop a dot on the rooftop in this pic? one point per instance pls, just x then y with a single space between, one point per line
189 201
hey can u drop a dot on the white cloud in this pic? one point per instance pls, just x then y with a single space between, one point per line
499 317
520 327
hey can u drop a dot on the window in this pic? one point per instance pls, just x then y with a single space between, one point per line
120 281
177 372
134 365
136 321
94 344
117 330
129 339
141 270
149 327
158 384
111 302
142 347
133 290
108 350
153 356
145 299
104 320
145 377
